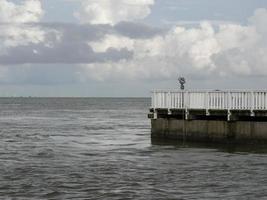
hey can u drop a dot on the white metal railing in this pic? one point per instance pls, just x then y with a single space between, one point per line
210 100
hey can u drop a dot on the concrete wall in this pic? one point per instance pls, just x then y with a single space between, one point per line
210 130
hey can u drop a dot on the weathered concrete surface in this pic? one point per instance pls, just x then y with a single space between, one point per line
209 130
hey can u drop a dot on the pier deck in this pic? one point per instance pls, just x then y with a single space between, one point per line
221 116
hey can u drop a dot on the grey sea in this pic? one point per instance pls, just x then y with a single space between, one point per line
100 148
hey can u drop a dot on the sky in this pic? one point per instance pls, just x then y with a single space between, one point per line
126 48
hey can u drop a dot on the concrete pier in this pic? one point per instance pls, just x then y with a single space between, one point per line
230 121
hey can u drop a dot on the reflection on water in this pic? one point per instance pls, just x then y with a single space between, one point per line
89 148
229 148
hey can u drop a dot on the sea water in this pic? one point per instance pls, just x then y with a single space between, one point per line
100 148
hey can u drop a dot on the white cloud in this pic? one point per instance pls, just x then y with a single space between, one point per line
19 28
20 34
27 11
161 57
113 11
112 41
13 19
224 50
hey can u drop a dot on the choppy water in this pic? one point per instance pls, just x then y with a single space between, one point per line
90 148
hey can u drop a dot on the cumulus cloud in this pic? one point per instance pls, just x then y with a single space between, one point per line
113 11
14 24
27 11
60 43
67 43
20 34
226 50
109 47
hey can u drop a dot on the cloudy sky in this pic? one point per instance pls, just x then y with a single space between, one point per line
129 47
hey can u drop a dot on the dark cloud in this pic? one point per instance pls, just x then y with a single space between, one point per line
92 32
137 30
72 47
79 32
68 53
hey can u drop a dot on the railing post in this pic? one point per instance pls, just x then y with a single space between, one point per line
155 101
186 104
207 103
169 102
160 104
229 105
152 99
252 102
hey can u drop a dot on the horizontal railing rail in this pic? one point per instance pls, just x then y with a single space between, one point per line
210 100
